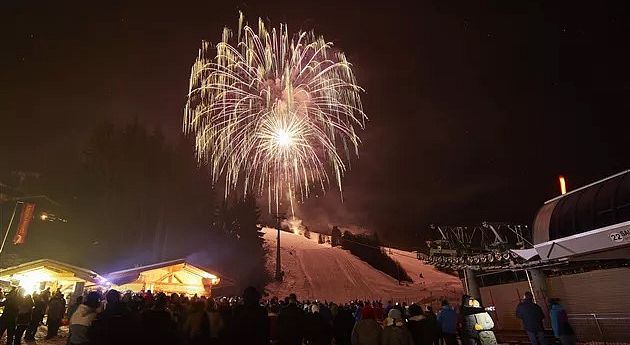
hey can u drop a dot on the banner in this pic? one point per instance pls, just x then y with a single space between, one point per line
25 220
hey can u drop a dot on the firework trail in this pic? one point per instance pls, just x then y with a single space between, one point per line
273 113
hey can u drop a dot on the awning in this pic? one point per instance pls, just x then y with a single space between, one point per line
606 238
526 254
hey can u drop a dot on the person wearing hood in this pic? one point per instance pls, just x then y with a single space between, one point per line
478 324
82 319
366 331
395 331
447 320
560 323
419 326
250 323
317 330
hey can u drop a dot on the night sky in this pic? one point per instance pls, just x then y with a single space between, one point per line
475 107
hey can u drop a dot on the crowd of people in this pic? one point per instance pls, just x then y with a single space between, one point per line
145 318
23 314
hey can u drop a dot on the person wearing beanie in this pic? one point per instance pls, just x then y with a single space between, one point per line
366 331
396 332
419 326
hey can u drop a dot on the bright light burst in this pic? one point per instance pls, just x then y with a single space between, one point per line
274 113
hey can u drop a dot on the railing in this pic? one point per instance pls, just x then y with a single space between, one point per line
604 328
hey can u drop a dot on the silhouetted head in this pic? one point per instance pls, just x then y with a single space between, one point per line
445 303
415 310
91 300
251 296
529 295
112 296
161 300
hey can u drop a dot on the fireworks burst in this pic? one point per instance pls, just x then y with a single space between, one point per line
273 113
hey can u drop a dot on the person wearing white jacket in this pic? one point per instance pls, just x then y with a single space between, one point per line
82 319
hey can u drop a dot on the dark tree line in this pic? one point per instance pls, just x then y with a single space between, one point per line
368 249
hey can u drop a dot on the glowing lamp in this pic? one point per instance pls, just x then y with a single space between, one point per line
563 185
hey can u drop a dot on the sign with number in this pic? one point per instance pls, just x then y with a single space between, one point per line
620 236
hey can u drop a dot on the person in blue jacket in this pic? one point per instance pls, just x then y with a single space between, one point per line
447 319
560 323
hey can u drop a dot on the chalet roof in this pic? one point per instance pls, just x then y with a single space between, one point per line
79 272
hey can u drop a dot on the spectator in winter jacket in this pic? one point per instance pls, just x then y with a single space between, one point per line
250 324
9 314
379 311
216 322
434 327
477 323
25 310
114 325
196 329
291 323
395 331
367 331
326 313
560 323
388 306
46 295
532 316
39 309
157 324
56 310
82 319
317 330
447 319
342 326
418 325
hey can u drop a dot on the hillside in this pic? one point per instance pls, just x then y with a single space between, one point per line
318 271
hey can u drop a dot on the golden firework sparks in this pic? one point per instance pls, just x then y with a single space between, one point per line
273 113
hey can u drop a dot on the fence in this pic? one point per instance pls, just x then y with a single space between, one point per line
604 328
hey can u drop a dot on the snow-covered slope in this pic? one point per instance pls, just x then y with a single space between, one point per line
317 271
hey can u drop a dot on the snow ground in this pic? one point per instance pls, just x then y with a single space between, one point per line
62 339
318 271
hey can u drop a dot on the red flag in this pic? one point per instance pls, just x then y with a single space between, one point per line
25 220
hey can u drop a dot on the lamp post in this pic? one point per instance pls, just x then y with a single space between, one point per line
6 234
20 200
